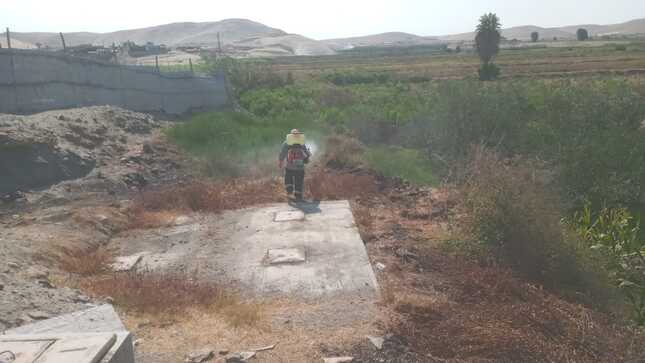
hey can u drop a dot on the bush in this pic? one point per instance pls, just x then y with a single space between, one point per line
511 211
325 185
488 72
615 235
408 164
84 261
230 144
355 77
343 152
587 131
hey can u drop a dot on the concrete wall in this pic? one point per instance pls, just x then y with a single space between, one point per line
32 81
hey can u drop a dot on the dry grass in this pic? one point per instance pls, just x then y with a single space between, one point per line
83 261
170 293
494 316
327 185
343 152
155 208
364 220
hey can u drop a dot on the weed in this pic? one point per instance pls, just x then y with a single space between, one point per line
156 208
84 261
343 152
364 220
334 186
408 164
510 210
152 292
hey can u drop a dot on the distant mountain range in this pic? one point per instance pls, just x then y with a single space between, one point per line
260 40
632 27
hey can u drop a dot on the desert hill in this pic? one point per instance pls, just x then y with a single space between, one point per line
255 39
566 32
231 30
391 38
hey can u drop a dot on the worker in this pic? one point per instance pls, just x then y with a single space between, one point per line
296 154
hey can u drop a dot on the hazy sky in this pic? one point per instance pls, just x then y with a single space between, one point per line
316 19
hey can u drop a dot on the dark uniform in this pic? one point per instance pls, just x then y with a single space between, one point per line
294 173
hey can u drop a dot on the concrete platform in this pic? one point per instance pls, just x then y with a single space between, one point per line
95 335
298 250
316 250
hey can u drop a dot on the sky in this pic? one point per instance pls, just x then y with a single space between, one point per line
321 19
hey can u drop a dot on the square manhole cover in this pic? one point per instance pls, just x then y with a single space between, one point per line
279 256
287 216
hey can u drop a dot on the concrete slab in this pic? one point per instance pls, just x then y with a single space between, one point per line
77 348
336 259
277 256
315 248
78 326
99 319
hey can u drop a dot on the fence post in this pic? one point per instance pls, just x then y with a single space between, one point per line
62 38
157 63
190 61
12 64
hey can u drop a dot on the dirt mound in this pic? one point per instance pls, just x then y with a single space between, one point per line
106 146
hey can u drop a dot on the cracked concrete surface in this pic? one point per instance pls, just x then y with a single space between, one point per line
233 247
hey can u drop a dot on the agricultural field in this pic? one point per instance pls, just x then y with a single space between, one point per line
565 59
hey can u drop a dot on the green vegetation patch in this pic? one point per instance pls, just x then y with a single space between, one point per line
409 164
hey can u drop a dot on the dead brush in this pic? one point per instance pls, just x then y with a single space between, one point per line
364 220
343 152
150 292
155 208
84 261
332 186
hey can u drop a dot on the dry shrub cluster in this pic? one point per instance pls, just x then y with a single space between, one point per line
327 185
155 208
84 261
490 315
511 211
154 292
343 152
364 220
171 293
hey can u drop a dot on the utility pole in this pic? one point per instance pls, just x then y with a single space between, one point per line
8 39
190 61
62 38
157 63
219 44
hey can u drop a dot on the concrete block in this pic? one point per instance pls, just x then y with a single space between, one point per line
98 320
63 348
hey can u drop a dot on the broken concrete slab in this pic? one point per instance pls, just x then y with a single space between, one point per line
277 256
77 348
99 319
86 323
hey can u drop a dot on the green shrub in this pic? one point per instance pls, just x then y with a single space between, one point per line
355 77
615 235
408 164
587 131
489 72
510 209
235 144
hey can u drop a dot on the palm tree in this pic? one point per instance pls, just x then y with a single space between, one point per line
487 43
